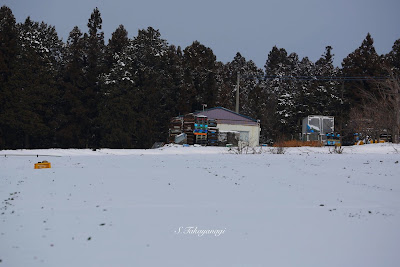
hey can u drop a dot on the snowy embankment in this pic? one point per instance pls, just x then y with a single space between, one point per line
201 206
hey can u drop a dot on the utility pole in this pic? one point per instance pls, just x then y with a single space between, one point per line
237 92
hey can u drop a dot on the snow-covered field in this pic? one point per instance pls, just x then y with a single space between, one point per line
196 206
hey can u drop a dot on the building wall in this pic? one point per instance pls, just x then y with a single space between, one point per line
254 131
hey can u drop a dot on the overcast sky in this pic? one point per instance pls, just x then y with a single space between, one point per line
250 27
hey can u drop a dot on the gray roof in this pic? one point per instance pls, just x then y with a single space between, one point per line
226 116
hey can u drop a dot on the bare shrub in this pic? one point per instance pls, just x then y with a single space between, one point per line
278 150
336 150
245 148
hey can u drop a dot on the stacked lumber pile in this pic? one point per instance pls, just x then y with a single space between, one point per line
212 133
188 127
175 128
201 129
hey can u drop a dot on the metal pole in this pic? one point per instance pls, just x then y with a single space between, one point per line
237 92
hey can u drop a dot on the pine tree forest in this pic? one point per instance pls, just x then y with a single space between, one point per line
88 92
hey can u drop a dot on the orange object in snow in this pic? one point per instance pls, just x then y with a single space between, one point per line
43 165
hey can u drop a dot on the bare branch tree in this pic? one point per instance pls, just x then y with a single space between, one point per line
380 111
390 92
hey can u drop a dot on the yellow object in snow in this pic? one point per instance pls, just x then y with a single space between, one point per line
43 165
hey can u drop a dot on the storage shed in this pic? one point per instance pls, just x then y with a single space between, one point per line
228 120
317 127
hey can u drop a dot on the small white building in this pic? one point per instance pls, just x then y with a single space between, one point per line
228 120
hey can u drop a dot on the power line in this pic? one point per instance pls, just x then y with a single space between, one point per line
319 78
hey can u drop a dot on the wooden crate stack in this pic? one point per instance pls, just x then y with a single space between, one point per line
201 129
175 128
212 133
188 127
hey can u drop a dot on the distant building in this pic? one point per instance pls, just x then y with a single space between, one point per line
228 121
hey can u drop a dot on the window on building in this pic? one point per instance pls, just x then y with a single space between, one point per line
244 136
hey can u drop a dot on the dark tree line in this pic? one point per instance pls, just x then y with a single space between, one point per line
121 94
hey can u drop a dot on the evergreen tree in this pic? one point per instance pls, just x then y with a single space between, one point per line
8 43
224 79
118 42
308 101
393 58
143 70
74 117
200 74
329 92
173 86
281 69
276 62
33 104
8 57
95 48
118 106
363 62
249 76
275 69
149 54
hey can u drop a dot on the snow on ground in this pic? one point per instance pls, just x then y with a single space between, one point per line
306 207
